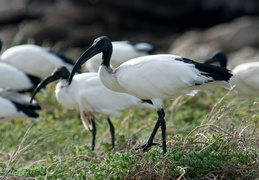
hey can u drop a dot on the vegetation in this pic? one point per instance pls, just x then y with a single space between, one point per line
213 135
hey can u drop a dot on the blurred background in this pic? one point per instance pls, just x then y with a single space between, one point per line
189 28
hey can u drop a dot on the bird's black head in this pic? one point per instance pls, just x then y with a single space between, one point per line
59 73
100 45
103 43
218 56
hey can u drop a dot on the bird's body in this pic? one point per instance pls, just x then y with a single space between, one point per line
160 76
246 79
90 96
15 79
34 60
87 93
245 76
154 77
14 105
122 51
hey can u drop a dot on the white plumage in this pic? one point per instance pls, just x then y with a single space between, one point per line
14 105
159 76
245 76
35 60
154 77
122 51
246 79
15 79
90 96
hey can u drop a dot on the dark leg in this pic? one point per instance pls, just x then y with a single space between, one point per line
150 143
93 134
161 115
151 138
112 131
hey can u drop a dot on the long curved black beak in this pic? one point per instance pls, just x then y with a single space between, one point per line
43 84
89 53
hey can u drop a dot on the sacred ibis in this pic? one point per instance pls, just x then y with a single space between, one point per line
90 96
154 77
14 105
35 60
245 76
15 79
122 51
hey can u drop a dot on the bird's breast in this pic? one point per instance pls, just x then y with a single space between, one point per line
65 97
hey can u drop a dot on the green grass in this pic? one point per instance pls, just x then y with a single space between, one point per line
213 135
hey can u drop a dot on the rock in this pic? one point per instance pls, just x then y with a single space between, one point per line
229 37
78 22
232 36
243 55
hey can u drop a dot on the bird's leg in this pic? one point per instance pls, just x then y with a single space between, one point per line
161 115
93 134
150 143
112 131
151 138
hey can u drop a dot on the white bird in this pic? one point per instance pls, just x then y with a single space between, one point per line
90 96
154 77
35 60
245 76
122 51
14 79
14 105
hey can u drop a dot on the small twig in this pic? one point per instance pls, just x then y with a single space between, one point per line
212 142
217 103
240 134
207 125
182 170
201 126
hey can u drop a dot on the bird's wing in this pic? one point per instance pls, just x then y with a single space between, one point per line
86 118
154 78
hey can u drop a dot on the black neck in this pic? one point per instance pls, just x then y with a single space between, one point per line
107 56
223 63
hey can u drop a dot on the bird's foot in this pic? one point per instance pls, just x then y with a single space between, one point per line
146 146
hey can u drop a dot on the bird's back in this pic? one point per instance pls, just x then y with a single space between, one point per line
13 78
32 59
166 76
92 95
11 110
246 79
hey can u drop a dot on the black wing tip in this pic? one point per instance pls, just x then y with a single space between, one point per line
216 72
28 109
147 101
34 79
